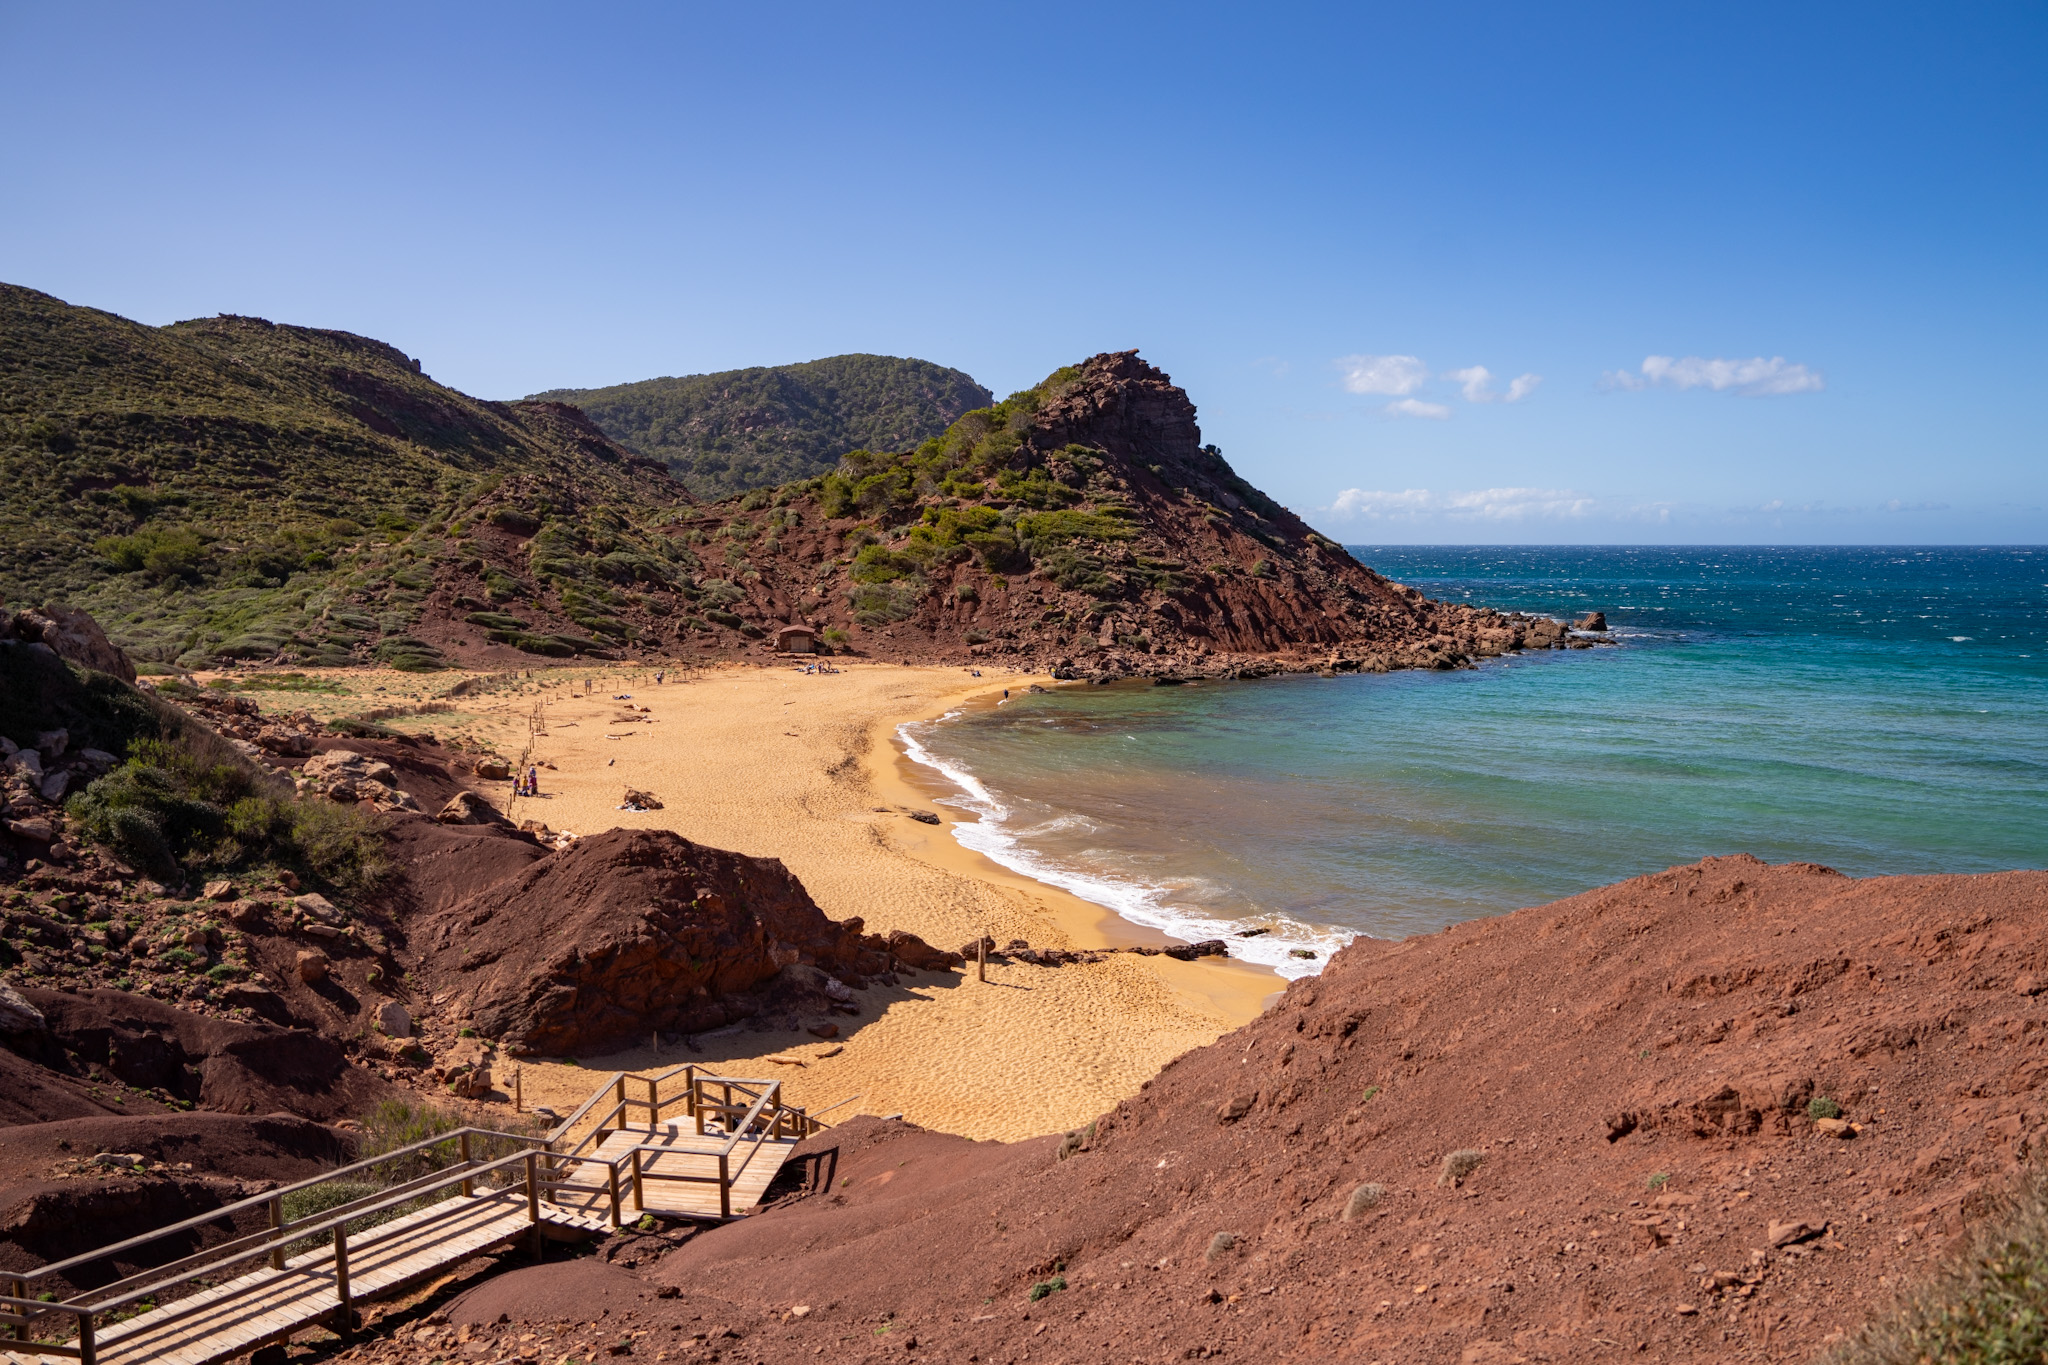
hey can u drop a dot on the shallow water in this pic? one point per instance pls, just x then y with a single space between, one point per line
1876 710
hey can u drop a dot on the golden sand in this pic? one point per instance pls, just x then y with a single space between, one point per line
770 761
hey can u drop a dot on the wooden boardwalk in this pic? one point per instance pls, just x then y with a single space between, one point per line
268 1305
237 1295
680 1179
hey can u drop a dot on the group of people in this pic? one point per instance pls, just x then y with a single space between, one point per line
528 783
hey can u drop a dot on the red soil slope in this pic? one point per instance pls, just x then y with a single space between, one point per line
1632 1067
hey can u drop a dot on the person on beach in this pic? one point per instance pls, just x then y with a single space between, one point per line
533 781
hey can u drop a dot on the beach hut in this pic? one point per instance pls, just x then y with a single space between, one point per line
797 639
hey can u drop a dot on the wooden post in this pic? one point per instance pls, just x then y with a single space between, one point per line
619 1098
468 1185
88 1353
981 958
518 1092
18 1288
639 1198
533 1199
277 1225
612 1170
345 1318
724 1187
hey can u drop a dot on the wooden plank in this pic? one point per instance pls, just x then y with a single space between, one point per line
267 1305
587 1186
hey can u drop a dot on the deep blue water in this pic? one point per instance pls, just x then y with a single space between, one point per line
1877 710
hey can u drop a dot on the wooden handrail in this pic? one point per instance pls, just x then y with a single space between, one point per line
292 1232
561 1129
229 1210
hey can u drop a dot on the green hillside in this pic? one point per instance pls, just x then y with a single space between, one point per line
231 487
726 433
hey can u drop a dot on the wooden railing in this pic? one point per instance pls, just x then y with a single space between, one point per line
764 1118
271 1243
538 1170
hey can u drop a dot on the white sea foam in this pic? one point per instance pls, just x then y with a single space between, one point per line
1157 905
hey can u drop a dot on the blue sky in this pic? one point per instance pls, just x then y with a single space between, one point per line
1777 271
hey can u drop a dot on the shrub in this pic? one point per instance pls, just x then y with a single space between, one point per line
1983 1303
1219 1246
1363 1200
1047 1287
1458 1165
159 553
1821 1107
194 804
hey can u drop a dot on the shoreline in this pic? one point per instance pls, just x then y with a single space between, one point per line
771 762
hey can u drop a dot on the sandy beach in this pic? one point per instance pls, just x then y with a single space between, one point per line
774 762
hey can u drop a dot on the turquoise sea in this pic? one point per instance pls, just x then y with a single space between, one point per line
1877 710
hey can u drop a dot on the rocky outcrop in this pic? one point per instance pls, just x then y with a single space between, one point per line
635 931
72 634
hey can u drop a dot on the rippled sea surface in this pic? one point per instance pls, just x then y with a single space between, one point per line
1877 710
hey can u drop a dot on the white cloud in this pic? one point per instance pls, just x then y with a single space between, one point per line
1415 407
1482 504
1477 382
1389 374
1755 377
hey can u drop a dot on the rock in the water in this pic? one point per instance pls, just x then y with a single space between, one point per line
1208 947
1592 620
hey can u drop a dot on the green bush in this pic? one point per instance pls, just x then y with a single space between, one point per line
193 804
1821 1107
159 553
1045 1288
1987 1303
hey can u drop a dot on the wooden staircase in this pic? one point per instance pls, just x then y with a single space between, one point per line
712 1162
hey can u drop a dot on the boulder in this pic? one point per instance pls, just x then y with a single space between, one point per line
75 636
467 808
312 967
313 905
17 1015
395 1019
639 800
493 769
631 931
51 744
279 739
1592 620
220 891
467 1069
36 831
54 785
913 951
1208 947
